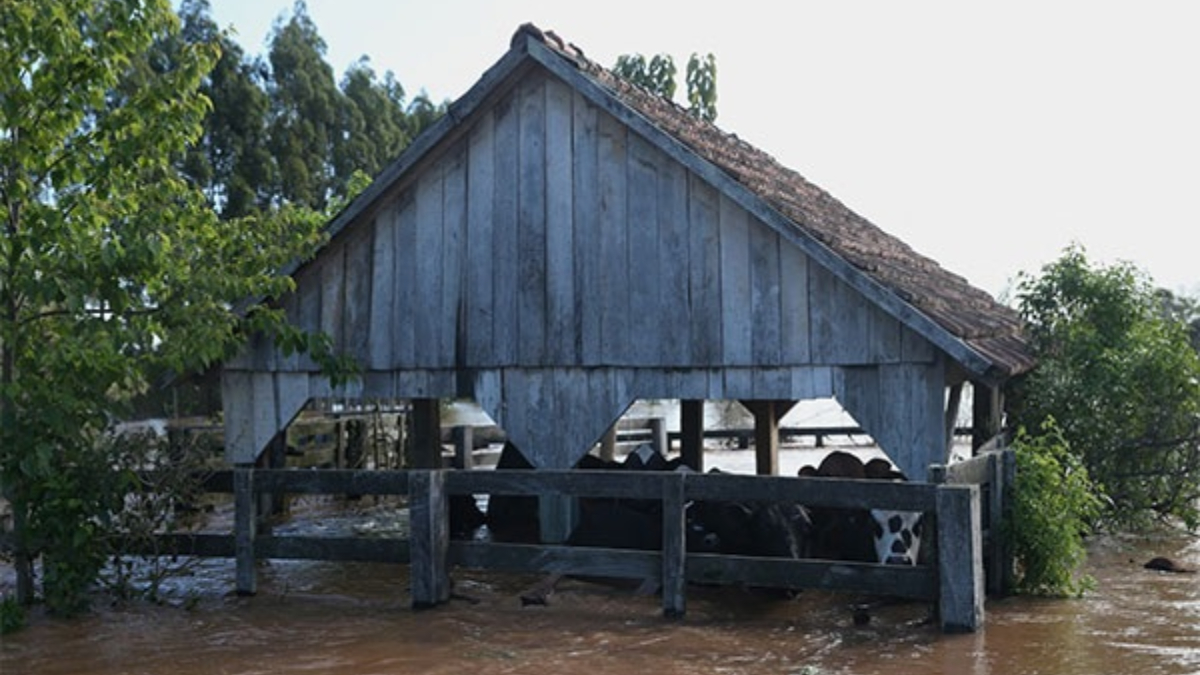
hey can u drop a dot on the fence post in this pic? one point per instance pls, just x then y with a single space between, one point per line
1007 479
674 550
429 537
960 560
245 524
658 436
464 447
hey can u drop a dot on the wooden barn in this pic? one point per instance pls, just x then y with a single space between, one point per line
562 244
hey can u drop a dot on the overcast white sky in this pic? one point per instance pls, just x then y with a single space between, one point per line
986 137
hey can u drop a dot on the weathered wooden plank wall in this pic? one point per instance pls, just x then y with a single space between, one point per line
550 240
550 235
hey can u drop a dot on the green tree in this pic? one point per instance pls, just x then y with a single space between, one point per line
305 102
658 75
1122 380
373 123
111 263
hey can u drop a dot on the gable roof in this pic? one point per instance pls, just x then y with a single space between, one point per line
980 334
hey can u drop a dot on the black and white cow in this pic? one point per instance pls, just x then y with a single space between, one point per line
876 535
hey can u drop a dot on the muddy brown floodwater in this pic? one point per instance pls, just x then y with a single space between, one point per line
354 619
347 619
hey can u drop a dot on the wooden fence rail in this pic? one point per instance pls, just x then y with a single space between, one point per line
953 582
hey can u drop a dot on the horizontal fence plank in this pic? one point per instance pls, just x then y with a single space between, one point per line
581 561
342 549
211 545
332 481
579 483
914 582
829 492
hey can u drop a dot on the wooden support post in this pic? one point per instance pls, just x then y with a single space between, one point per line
658 436
245 524
674 551
691 427
767 414
429 537
987 414
959 559
426 434
608 444
953 401
464 447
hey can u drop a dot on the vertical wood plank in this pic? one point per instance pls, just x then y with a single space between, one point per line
505 258
308 305
704 274
795 348
479 249
960 560
427 294
585 185
765 317
736 320
383 290
429 539
531 225
613 271
451 308
333 294
673 264
359 279
645 325
562 323
405 297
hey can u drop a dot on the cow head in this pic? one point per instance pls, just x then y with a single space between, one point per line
897 536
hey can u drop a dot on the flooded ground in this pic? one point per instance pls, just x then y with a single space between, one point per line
347 619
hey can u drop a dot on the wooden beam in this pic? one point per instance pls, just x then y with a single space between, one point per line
691 428
426 447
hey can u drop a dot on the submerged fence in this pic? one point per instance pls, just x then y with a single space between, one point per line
953 582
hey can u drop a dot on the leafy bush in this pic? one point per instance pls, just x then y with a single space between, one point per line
12 616
1121 378
1054 505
